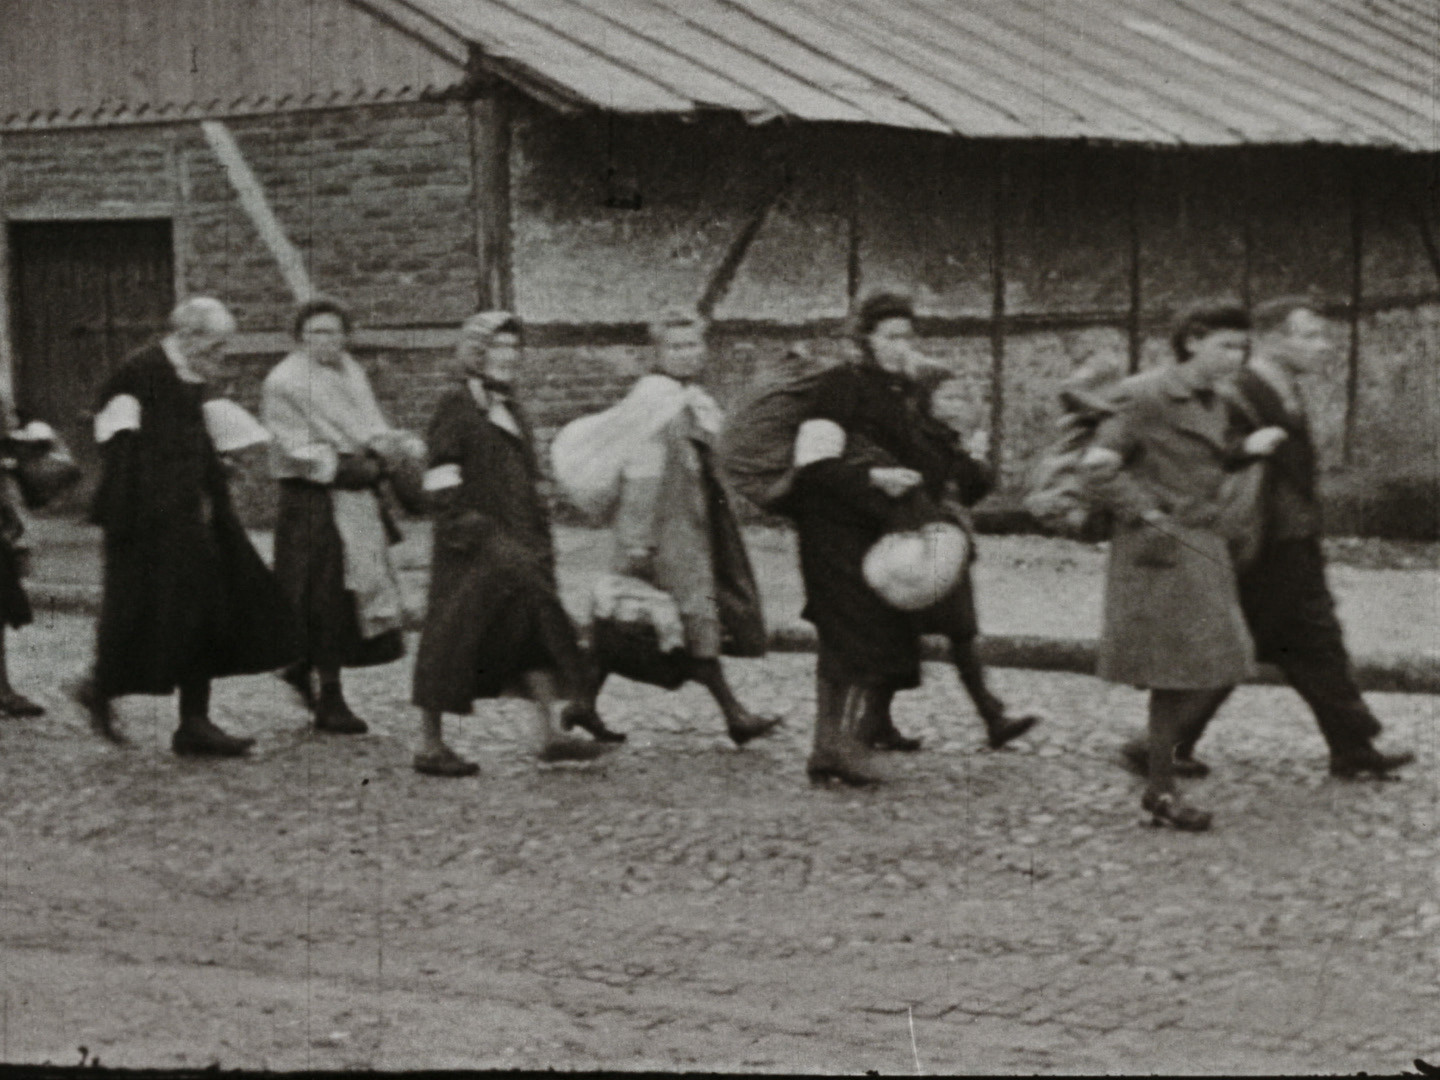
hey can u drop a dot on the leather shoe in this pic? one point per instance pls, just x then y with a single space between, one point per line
14 704
1136 756
750 727
840 770
1166 808
201 738
1005 729
891 739
588 719
334 717
444 763
1350 766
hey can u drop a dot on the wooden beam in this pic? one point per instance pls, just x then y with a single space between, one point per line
251 193
96 211
489 125
724 275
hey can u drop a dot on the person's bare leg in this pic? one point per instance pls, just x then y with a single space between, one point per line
740 722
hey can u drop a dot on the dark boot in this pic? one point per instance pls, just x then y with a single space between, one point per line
880 731
333 715
839 752
197 736
587 719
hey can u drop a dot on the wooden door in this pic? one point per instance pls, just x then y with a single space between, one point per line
86 294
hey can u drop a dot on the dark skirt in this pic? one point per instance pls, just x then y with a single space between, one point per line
310 567
195 602
493 617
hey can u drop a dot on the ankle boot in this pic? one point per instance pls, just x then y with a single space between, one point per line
333 714
839 752
197 736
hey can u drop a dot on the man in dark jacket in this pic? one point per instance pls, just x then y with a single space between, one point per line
1283 593
186 597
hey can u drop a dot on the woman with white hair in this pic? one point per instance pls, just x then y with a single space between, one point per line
186 598
495 623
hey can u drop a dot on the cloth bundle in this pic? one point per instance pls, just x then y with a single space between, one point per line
589 456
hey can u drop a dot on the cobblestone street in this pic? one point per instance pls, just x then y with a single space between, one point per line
687 905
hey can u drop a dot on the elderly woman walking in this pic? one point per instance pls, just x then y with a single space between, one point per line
332 448
1163 462
495 622
890 466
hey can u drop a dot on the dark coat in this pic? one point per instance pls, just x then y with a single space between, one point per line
15 610
186 596
1172 611
494 609
839 516
310 566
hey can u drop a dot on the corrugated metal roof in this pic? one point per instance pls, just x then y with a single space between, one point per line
1191 72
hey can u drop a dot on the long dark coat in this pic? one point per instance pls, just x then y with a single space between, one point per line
186 596
839 516
494 610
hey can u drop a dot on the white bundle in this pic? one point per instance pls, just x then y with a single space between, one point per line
589 456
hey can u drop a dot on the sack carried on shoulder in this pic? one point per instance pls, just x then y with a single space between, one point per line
757 447
1056 497
589 455
44 468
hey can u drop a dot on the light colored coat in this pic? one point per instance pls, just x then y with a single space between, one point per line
674 529
1172 612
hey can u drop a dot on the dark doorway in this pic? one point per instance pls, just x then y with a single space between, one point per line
85 295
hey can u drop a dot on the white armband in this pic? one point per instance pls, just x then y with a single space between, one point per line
442 478
316 462
818 440
121 413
